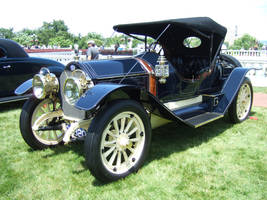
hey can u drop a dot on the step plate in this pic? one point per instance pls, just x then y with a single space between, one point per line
203 119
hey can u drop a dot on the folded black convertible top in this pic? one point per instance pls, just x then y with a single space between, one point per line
172 33
199 24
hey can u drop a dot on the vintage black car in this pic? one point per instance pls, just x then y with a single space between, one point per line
116 103
17 67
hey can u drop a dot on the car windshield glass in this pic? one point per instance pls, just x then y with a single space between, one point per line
139 43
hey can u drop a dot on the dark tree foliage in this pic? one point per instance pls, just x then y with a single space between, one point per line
6 33
54 33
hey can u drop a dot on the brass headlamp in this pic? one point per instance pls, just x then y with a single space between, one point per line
75 85
44 84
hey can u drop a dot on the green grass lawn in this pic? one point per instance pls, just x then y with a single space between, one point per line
216 161
260 89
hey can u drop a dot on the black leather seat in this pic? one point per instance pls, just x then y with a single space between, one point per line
190 67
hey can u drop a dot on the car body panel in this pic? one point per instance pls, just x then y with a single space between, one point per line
16 67
103 69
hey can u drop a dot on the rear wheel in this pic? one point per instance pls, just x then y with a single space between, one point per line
118 140
241 106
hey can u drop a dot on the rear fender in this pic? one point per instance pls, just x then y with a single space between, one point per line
230 89
24 87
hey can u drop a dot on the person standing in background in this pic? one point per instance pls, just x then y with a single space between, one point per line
92 52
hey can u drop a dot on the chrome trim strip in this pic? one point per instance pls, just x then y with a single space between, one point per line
10 99
121 76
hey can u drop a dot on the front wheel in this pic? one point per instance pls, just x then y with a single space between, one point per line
118 140
241 106
36 121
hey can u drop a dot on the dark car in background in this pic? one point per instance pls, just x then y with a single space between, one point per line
114 104
17 67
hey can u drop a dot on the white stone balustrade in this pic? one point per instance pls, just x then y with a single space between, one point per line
68 56
256 59
246 53
62 57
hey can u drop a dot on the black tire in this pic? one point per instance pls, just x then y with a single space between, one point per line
26 125
96 135
234 115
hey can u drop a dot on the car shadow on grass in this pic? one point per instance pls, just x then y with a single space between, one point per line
173 138
168 139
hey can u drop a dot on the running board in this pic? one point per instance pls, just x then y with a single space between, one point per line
203 119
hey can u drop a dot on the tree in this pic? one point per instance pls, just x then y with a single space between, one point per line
136 42
6 33
56 33
246 42
97 38
51 30
60 41
23 39
26 37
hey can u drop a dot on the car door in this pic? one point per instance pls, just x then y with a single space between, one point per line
4 74
14 72
4 83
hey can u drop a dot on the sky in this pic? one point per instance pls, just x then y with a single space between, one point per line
83 16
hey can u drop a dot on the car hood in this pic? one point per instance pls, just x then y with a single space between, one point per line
104 69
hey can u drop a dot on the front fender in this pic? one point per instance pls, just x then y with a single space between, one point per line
24 87
100 92
93 97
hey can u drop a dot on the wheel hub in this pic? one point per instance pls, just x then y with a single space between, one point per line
123 141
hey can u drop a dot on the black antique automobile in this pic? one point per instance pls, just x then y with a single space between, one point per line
17 67
114 104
